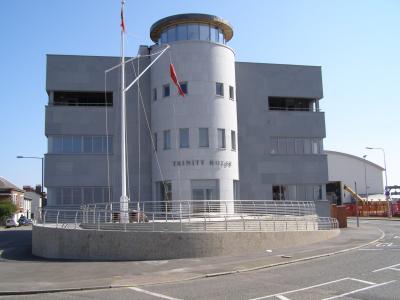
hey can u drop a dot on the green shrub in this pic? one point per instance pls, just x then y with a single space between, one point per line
7 209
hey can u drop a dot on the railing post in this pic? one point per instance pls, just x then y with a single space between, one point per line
244 223
44 217
226 224
259 222
189 210
94 214
180 214
205 223
274 225
98 221
76 217
153 222
58 213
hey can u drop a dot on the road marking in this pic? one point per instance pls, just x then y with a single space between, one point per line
359 290
392 266
153 294
371 249
363 281
299 290
281 297
394 269
384 245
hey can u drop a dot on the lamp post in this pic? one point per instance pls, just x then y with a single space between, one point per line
386 183
36 157
365 177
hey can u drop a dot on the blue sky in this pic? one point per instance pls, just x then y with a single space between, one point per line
356 42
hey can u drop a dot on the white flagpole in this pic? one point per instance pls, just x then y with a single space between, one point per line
124 216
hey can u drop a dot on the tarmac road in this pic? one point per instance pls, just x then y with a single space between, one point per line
370 272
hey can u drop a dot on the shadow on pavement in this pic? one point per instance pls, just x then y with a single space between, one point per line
16 244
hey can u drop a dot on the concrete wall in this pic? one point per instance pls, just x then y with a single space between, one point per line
118 245
259 170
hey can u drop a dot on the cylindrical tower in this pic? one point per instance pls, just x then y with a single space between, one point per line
196 135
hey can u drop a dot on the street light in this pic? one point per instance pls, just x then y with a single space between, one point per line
365 176
386 182
36 157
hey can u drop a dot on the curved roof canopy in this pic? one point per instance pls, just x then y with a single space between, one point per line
158 27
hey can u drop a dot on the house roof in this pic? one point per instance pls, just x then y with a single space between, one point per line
7 185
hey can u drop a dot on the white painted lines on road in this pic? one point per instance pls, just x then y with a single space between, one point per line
299 290
359 290
363 281
369 249
386 268
384 245
282 296
153 294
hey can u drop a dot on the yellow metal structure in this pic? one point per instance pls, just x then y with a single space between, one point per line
356 196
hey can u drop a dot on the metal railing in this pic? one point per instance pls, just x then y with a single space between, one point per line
191 216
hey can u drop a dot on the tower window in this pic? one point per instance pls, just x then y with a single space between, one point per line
231 93
233 140
184 137
219 88
221 138
184 87
203 138
166 90
154 94
167 139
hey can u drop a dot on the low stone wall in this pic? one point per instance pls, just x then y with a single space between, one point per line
50 242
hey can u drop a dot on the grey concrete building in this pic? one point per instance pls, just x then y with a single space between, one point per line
242 131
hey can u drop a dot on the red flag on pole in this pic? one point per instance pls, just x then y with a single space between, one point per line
122 20
175 79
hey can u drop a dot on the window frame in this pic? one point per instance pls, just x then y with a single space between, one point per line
217 89
221 145
165 88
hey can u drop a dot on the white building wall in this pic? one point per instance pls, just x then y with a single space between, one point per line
350 169
201 64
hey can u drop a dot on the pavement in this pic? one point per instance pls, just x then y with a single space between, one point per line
21 273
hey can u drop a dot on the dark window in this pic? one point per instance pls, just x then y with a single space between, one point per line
231 93
83 98
184 138
233 139
221 138
292 104
166 90
184 87
154 94
219 88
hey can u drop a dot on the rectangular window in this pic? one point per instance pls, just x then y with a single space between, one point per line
299 144
307 146
231 93
104 141
83 98
282 145
77 196
67 144
166 90
67 196
221 138
204 32
167 139
76 144
171 34
279 192
155 141
219 88
87 144
97 144
154 94
57 144
203 138
290 146
193 32
236 190
291 104
182 32
87 195
184 137
233 140
315 146
184 87
214 34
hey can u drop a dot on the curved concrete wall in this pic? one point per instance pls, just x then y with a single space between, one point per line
53 242
201 64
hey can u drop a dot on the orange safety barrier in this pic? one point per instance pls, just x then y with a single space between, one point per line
373 209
